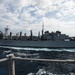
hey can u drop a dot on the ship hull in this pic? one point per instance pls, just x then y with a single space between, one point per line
38 44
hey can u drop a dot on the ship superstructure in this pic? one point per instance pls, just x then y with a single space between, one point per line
47 39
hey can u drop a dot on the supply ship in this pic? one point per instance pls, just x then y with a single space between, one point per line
45 40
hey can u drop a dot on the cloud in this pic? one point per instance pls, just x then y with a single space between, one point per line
29 14
67 8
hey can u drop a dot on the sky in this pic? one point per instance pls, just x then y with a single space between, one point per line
26 15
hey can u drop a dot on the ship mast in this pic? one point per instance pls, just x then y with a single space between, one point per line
42 28
6 32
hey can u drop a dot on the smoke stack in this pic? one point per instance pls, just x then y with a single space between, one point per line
39 34
42 31
31 35
25 34
10 35
20 35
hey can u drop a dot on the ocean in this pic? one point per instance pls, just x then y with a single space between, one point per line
35 67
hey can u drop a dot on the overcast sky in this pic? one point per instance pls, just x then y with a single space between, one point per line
26 15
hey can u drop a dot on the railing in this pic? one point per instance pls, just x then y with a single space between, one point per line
11 59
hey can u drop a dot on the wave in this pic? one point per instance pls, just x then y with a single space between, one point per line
39 49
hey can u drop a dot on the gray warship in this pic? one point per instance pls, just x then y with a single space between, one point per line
45 40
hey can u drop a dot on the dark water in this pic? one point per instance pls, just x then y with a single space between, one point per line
38 68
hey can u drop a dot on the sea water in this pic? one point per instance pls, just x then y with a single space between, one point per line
38 68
